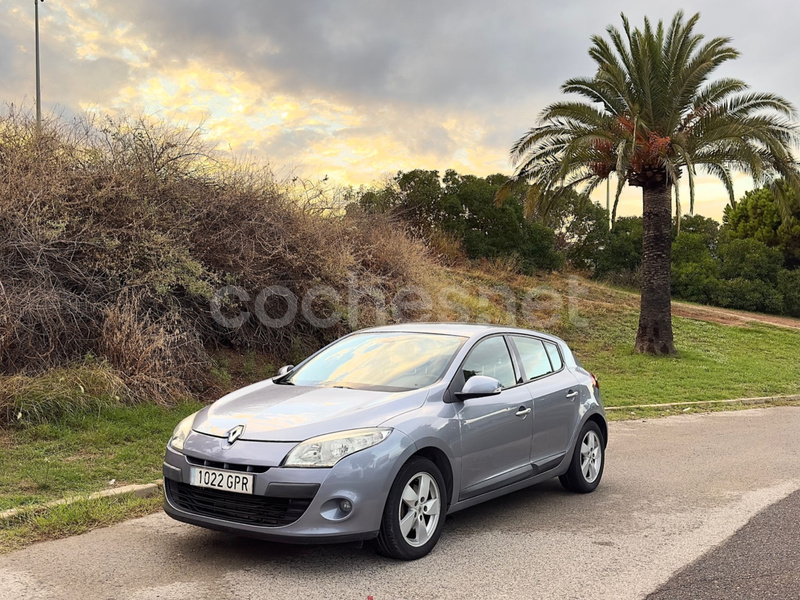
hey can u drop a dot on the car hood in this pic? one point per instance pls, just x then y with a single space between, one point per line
288 413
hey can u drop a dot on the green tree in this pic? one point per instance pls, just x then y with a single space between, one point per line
758 216
417 199
707 229
750 259
621 256
695 272
580 227
463 205
491 231
654 115
789 288
744 274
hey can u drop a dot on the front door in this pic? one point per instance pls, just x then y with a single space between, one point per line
495 430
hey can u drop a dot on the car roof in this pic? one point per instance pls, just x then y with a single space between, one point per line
463 329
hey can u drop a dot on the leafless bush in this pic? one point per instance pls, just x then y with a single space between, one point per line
114 235
158 358
447 249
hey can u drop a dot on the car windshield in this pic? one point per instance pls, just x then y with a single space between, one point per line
383 361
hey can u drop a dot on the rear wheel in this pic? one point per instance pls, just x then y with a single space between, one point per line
415 509
588 461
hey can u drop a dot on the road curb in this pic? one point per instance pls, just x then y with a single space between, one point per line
753 401
143 490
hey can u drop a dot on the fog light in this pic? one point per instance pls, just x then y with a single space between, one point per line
345 506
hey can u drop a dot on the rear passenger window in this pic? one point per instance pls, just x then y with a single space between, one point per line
555 357
534 357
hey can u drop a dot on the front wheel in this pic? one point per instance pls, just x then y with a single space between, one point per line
415 509
588 461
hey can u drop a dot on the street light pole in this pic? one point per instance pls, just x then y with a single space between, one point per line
38 70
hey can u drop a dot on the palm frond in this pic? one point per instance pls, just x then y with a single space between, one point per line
724 175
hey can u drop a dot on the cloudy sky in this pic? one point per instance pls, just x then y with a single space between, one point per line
355 89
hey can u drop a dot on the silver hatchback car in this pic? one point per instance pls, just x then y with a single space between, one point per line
382 433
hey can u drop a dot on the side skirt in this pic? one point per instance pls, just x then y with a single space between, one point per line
538 473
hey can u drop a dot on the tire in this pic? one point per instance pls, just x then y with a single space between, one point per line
588 461
415 511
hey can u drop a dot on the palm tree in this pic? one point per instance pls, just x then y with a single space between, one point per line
652 116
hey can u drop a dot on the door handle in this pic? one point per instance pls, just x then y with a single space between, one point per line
522 412
571 394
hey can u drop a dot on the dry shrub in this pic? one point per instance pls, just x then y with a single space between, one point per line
502 266
446 248
115 234
42 324
157 359
389 265
387 251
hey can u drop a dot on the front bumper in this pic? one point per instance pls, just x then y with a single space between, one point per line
363 478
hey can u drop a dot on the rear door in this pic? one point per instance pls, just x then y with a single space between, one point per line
495 430
555 398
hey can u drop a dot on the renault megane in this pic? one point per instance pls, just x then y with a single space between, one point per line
384 432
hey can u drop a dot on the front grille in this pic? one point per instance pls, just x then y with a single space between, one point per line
240 508
201 462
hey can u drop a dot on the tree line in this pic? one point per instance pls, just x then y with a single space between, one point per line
750 261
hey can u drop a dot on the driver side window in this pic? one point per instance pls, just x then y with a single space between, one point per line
490 358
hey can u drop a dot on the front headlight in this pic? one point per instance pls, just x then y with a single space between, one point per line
327 450
181 432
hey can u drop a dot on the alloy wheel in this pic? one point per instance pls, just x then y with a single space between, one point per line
591 456
420 508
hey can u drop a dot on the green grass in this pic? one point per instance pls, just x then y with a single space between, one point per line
72 519
84 452
715 362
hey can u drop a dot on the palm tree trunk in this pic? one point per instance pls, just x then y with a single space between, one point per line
655 318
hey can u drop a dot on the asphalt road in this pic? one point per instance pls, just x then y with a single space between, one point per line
674 489
761 561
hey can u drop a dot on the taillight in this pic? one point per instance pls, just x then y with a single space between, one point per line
595 383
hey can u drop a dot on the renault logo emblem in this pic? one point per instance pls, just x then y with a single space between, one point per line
235 433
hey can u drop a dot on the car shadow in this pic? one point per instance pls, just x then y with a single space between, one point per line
524 510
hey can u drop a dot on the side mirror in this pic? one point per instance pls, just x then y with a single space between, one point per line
284 370
479 386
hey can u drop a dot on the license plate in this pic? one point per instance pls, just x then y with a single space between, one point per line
222 480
